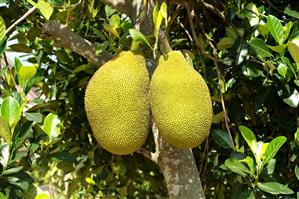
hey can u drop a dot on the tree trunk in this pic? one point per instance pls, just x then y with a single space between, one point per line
179 170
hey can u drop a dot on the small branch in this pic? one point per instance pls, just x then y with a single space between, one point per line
31 10
217 12
194 35
226 119
65 38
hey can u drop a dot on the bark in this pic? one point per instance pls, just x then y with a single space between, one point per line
65 38
177 165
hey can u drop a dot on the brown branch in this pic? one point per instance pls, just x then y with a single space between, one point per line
65 38
213 9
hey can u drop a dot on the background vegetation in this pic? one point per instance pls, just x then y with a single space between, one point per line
247 51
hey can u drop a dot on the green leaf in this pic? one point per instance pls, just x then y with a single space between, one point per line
273 148
10 110
252 14
2 196
3 45
276 29
222 138
296 136
297 172
260 47
263 29
279 49
249 161
291 13
2 29
274 188
114 21
225 42
271 166
52 126
26 72
248 136
111 30
293 100
34 117
4 155
282 70
287 29
139 37
109 11
163 11
5 130
90 181
12 170
44 7
293 47
42 195
237 167
20 48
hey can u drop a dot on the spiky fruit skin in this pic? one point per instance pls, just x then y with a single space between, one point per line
117 105
180 102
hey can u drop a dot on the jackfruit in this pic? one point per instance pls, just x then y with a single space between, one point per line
117 104
180 102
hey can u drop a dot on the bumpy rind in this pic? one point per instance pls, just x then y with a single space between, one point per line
116 104
180 102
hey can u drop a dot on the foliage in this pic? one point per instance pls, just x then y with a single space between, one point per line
246 50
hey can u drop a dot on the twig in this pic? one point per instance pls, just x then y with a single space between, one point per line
214 10
215 60
197 43
64 37
226 119
31 10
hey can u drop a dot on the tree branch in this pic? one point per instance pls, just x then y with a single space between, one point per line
65 38
31 10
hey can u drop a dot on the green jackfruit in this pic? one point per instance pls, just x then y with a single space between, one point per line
180 102
117 105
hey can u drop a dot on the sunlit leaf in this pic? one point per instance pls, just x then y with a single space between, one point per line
293 47
296 136
44 7
90 181
282 70
139 37
4 155
2 196
114 21
163 11
10 110
111 30
52 126
273 148
5 130
26 72
293 100
274 188
248 136
276 29
291 12
2 29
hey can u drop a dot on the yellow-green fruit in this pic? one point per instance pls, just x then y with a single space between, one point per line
180 102
116 104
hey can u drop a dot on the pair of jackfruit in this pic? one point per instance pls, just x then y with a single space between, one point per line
120 95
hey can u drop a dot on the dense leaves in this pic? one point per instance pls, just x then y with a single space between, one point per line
247 51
